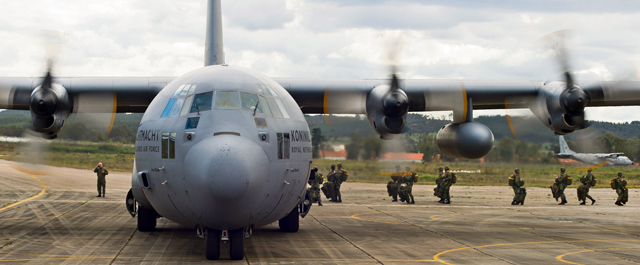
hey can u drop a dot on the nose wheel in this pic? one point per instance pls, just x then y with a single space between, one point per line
213 237
212 243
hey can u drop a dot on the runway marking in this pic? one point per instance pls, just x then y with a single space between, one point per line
30 198
560 257
436 257
57 216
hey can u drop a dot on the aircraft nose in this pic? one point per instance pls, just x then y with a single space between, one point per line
226 167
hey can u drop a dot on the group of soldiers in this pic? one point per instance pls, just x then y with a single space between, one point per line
330 188
401 185
563 180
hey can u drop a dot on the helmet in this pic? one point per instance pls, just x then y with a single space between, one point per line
619 173
517 170
315 169
561 169
339 164
589 169
333 166
440 168
446 167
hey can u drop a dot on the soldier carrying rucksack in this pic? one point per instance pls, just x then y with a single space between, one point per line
407 185
520 193
587 181
449 179
561 183
328 187
392 186
620 185
439 189
341 175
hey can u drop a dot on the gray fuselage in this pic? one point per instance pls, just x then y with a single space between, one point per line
223 147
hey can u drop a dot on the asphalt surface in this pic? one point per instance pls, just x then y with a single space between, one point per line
56 218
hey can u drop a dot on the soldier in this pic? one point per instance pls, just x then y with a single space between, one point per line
584 188
327 187
340 176
448 180
437 191
562 181
518 191
102 182
409 179
621 189
392 187
315 179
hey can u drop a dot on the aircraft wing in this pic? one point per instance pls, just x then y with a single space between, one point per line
87 94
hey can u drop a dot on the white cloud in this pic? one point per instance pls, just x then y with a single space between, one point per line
327 39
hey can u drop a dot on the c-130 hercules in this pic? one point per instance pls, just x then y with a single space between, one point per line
224 148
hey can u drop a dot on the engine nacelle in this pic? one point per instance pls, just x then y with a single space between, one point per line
559 108
50 107
469 140
387 110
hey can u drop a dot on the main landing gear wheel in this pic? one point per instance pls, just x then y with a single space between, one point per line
146 219
291 222
236 248
212 243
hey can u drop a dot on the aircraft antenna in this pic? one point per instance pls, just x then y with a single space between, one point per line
213 48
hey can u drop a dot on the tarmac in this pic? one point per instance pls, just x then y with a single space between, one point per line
56 217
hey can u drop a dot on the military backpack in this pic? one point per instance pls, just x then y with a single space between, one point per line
454 178
593 182
512 181
344 175
613 183
567 180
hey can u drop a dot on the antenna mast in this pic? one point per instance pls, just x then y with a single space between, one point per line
213 48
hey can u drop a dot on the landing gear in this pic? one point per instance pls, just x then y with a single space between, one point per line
291 222
212 243
146 219
236 247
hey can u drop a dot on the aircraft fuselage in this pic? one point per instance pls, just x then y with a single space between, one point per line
222 147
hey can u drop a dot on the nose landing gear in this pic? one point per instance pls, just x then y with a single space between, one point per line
213 238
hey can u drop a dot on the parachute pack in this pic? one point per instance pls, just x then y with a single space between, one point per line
613 183
512 181
454 178
568 180
593 182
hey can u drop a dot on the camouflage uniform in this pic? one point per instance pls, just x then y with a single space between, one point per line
392 186
586 181
409 179
621 189
559 186
437 191
327 187
102 182
340 176
314 191
447 181
518 190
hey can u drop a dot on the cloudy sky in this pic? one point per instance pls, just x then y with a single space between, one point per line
452 39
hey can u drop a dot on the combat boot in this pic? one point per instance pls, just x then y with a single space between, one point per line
447 201
514 202
319 204
522 202
593 201
339 199
413 202
441 201
583 203
563 202
619 204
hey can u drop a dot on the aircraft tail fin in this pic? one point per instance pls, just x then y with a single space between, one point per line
213 47
564 148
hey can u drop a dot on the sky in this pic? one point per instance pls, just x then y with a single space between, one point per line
452 39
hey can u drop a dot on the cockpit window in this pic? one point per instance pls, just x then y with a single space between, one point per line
275 110
175 111
186 89
282 108
167 109
271 90
186 105
227 100
250 102
265 106
201 102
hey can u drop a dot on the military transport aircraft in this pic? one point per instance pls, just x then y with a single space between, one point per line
224 149
591 158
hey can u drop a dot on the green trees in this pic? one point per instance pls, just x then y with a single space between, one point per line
316 141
